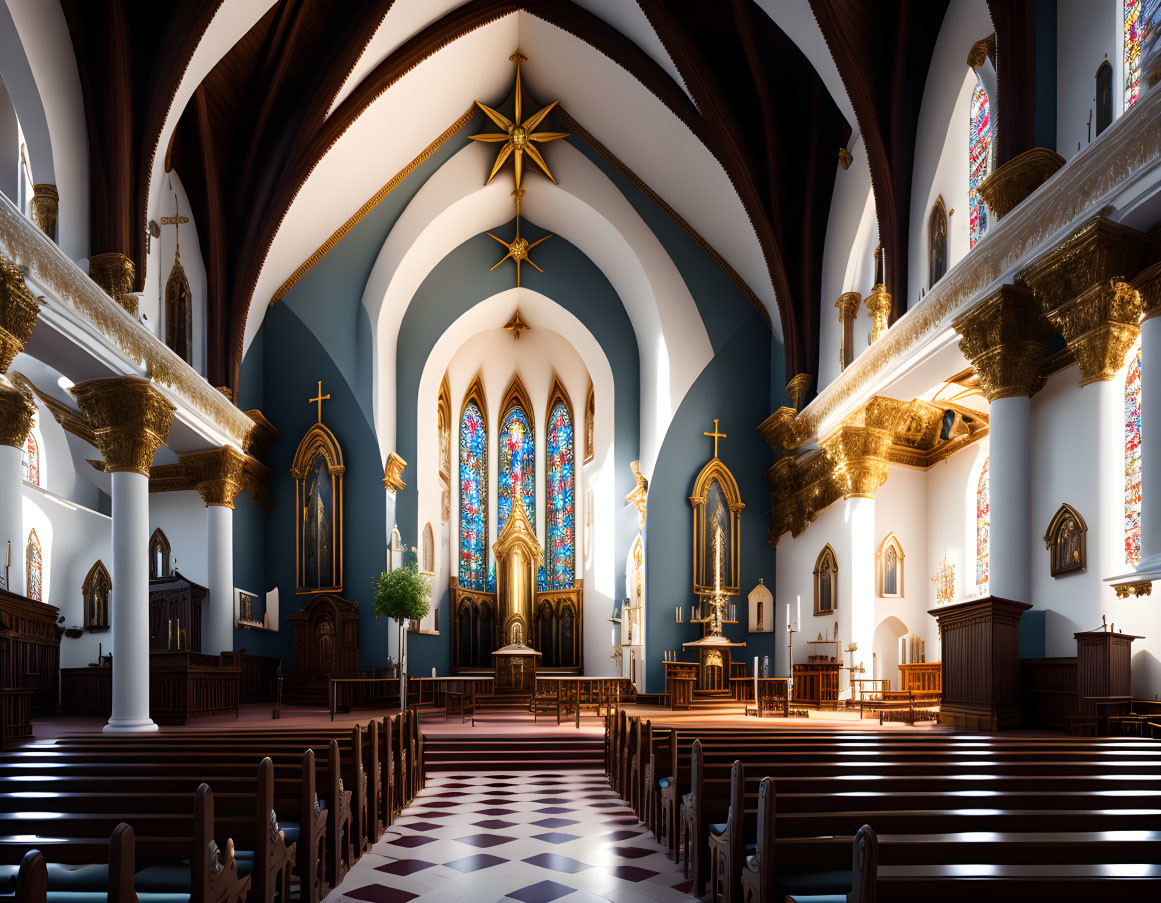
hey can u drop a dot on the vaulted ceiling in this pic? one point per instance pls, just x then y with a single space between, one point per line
250 126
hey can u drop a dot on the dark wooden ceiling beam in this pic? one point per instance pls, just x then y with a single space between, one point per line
1015 23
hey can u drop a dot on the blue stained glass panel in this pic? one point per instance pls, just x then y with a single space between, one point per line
1133 461
517 467
473 498
560 529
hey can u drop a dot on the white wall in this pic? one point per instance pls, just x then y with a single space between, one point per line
1087 33
901 508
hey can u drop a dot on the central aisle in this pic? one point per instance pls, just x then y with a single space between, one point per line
530 837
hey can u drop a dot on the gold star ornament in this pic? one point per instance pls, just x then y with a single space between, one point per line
516 326
518 248
519 135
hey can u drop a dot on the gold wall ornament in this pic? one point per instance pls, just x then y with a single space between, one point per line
1009 184
519 135
1005 338
44 206
944 581
981 50
715 435
637 497
116 275
1148 285
130 420
218 474
1136 588
845 159
517 554
319 399
260 436
717 503
18 313
519 248
879 306
318 471
848 308
515 325
1081 289
17 410
393 473
799 388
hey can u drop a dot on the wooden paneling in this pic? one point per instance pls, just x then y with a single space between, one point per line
86 691
188 685
259 673
921 677
29 650
1048 691
816 684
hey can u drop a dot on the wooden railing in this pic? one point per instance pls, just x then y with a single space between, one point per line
921 677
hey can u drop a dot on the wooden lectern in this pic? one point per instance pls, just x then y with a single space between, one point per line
1104 671
981 663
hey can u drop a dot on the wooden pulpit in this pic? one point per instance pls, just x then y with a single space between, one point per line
981 663
1104 670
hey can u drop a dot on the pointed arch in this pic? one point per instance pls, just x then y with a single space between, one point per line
559 489
428 548
1065 541
159 555
936 242
890 557
443 425
590 421
1133 460
30 462
95 591
716 503
318 522
825 581
473 462
516 433
33 568
983 528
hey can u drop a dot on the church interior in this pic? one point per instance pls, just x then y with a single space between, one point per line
742 554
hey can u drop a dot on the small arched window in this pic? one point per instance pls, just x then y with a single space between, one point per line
825 582
159 555
428 550
1065 541
936 243
1133 461
981 136
34 569
96 589
891 567
1104 96
983 529
30 464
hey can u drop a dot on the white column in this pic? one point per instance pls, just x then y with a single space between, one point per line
1010 476
218 635
12 515
859 518
130 605
1151 446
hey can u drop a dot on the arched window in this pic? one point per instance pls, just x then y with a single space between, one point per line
1133 43
981 135
428 550
891 567
159 552
1104 96
179 311
825 582
473 570
1133 461
983 531
31 462
34 569
95 591
517 457
936 243
560 525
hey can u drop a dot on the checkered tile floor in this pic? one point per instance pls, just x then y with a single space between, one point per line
536 838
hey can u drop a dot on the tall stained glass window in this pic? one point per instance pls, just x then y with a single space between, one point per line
34 569
560 528
473 498
980 137
1134 40
983 528
517 467
31 461
1133 461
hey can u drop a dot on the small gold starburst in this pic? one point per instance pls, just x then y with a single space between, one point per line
519 247
518 134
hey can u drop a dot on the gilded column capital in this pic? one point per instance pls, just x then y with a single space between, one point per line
393 472
115 273
130 420
782 431
17 409
879 305
1005 338
859 449
44 205
799 387
218 474
981 50
260 436
18 313
1012 182
1082 289
848 305
1148 285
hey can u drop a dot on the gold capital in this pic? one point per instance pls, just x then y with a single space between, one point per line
130 420
393 472
44 204
879 305
115 274
218 474
16 412
848 305
18 312
1012 182
1005 337
799 387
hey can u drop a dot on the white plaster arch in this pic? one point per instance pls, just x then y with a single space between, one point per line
453 206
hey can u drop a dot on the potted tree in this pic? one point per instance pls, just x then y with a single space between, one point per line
402 595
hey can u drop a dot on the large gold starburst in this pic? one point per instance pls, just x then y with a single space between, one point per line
518 134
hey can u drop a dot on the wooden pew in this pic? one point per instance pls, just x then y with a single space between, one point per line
104 865
31 879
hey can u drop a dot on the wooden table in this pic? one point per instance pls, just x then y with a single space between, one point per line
334 683
461 687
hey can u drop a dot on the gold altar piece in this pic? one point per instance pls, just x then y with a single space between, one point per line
716 501
517 556
318 471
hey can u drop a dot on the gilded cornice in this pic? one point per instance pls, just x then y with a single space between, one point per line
115 274
784 431
393 472
18 311
72 420
1131 152
799 387
1148 285
1015 180
182 476
1006 340
130 420
16 412
1081 288
217 474
260 436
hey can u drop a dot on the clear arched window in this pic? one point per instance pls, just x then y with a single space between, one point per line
1133 43
560 528
983 528
159 555
95 590
981 135
1133 461
34 569
473 570
30 465
517 466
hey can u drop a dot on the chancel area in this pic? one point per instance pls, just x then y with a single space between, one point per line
581 450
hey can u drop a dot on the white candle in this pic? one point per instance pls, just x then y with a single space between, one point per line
798 617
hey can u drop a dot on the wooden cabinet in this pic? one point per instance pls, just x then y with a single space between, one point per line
175 614
816 684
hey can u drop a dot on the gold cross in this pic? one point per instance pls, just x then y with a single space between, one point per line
715 435
321 398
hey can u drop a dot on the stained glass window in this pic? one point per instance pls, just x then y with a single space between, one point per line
34 569
473 498
1134 40
980 137
517 467
31 461
560 529
1133 461
983 528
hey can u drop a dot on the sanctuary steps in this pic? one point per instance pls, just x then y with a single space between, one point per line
470 754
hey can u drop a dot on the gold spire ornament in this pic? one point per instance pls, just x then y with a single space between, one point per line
515 325
518 136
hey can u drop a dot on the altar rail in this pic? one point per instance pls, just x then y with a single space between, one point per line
921 677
